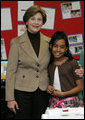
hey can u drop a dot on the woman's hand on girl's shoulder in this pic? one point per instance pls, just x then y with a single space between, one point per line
79 71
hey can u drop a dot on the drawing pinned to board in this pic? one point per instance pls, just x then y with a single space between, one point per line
71 10
21 29
76 49
3 50
3 69
6 22
50 18
75 43
22 6
75 39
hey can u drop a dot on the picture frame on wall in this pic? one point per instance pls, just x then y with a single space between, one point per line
71 10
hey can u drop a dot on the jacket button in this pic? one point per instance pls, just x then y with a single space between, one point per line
38 65
19 60
37 70
23 76
37 76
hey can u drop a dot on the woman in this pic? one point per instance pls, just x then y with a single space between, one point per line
27 77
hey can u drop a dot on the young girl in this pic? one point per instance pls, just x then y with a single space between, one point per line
64 84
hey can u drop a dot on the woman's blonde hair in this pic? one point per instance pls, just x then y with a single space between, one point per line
32 11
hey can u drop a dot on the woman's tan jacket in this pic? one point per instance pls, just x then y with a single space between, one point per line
26 71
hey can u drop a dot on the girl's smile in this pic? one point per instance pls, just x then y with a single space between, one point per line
59 48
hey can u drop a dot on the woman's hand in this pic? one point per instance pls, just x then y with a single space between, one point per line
80 71
12 105
50 89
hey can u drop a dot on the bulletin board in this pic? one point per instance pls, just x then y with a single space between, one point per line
67 16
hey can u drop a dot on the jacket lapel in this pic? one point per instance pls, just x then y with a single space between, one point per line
26 45
41 52
43 46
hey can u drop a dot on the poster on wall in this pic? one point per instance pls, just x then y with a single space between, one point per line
22 7
3 50
75 38
3 69
21 29
71 10
50 18
75 43
6 22
76 49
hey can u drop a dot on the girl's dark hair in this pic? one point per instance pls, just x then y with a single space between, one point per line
57 36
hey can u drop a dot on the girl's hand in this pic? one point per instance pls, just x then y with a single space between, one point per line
58 93
50 89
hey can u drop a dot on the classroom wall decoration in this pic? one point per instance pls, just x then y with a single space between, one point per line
67 16
71 10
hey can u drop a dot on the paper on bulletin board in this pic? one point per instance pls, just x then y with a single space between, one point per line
76 49
6 22
3 69
3 50
75 38
21 29
22 7
50 18
75 43
71 10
